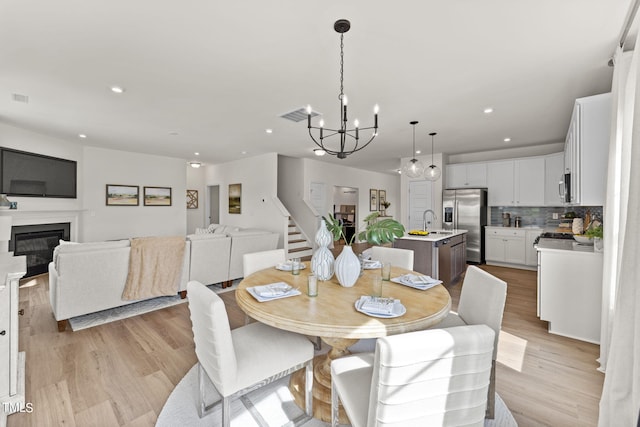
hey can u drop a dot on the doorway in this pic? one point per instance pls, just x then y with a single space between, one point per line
345 208
214 204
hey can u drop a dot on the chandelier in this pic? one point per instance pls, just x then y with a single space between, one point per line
414 167
348 137
432 172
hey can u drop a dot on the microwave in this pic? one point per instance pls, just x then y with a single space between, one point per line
564 188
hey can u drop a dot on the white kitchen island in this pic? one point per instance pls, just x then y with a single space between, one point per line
570 288
441 254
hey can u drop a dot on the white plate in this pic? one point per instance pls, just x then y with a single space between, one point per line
398 309
423 286
286 266
254 291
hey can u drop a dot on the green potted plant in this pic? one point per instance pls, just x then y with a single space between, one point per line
347 265
596 234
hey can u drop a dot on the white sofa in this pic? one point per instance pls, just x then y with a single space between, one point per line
89 277
209 261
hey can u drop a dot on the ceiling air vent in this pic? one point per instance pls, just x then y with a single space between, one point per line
20 98
298 115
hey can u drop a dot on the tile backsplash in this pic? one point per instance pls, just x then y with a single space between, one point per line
541 216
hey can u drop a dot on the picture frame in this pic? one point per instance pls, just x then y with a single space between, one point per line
235 198
382 197
122 195
373 199
192 199
157 196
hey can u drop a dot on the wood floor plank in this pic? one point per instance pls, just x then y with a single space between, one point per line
121 373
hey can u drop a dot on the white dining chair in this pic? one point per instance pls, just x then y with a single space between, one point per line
256 261
239 361
482 301
402 258
437 377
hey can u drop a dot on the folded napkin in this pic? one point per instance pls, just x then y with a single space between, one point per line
368 263
288 266
414 279
272 290
377 305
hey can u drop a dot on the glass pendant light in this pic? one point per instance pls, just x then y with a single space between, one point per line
414 167
432 173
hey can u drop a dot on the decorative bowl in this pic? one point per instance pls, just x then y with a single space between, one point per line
585 240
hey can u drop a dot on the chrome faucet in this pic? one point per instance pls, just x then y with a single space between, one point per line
424 218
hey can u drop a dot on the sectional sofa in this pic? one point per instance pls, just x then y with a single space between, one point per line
89 277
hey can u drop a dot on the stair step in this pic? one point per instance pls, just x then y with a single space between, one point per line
302 249
296 240
293 232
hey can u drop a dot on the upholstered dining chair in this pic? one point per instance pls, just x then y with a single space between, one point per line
402 258
482 301
241 360
260 260
436 377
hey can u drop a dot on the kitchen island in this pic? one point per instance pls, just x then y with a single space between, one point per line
570 288
441 254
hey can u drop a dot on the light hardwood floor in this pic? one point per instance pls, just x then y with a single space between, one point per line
120 374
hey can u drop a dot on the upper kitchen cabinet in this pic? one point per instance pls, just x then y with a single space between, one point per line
553 171
466 175
586 150
516 182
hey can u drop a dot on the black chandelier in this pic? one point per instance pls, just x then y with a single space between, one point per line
342 26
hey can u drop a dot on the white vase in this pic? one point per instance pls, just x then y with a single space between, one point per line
347 267
322 261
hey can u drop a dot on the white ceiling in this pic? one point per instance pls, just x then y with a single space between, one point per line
219 73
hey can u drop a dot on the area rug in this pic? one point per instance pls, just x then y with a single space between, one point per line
135 309
269 406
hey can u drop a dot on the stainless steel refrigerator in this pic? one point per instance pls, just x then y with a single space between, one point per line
466 209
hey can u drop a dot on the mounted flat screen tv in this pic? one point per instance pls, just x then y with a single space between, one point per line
34 175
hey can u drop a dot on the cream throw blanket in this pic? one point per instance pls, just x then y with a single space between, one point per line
155 267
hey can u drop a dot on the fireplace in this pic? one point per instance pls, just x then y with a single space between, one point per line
37 243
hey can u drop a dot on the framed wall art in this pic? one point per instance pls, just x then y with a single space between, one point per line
157 196
373 200
235 198
192 199
382 198
122 195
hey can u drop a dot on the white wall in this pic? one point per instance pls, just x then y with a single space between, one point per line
259 178
20 139
196 181
100 222
336 175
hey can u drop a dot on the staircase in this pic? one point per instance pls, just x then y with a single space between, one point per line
298 246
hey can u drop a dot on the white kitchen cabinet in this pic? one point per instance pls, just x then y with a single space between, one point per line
12 363
531 254
466 175
586 149
553 171
505 246
570 291
516 182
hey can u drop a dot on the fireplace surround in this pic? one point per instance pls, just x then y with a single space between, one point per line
37 242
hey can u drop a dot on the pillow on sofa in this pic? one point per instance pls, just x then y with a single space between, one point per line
212 227
205 236
202 231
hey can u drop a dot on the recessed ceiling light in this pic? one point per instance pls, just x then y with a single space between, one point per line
269 130
117 89
507 140
196 153
418 151
488 110
399 171
319 152
82 135
243 152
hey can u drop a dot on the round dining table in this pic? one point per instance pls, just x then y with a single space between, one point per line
333 317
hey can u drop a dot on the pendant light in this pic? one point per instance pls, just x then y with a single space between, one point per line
414 167
432 173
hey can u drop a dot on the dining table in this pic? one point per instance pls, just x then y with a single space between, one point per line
332 316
